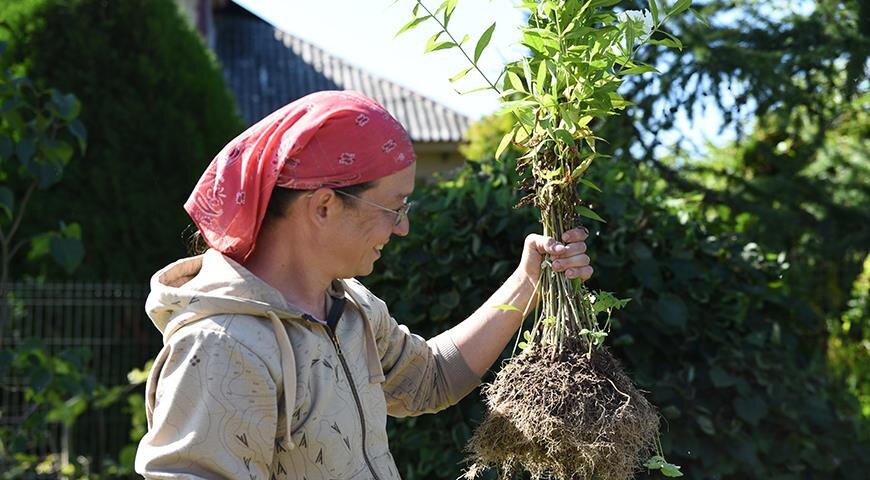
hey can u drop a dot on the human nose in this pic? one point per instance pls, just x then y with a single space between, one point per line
403 227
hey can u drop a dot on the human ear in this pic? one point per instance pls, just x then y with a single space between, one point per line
321 203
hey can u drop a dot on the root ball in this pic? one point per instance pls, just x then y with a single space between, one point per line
573 417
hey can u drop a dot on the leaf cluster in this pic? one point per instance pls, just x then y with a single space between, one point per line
39 133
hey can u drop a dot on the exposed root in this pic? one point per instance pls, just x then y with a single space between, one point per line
569 417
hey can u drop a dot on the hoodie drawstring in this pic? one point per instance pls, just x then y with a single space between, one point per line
288 371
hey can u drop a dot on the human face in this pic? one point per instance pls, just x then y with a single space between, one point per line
365 229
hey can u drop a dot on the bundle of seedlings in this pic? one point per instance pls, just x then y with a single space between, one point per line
563 407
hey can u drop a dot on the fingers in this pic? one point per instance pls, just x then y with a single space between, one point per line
573 262
570 257
583 273
575 235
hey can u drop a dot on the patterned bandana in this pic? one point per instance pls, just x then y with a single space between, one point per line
326 139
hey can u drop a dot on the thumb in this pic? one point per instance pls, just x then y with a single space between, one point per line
543 245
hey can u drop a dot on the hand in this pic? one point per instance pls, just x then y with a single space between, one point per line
568 257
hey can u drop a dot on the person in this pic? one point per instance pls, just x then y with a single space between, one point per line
277 362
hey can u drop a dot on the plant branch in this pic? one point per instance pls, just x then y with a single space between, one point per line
459 45
21 210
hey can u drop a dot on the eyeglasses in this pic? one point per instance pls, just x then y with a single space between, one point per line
401 213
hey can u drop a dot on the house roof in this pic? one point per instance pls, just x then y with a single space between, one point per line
267 68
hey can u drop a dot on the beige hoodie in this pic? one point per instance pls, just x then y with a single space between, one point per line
246 386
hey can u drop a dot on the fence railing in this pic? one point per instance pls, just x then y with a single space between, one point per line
107 319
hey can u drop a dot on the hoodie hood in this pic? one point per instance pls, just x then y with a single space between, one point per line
194 288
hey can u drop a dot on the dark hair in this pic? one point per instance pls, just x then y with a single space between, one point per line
279 202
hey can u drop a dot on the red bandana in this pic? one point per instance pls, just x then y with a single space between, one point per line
326 139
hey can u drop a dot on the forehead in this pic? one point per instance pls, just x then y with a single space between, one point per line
395 186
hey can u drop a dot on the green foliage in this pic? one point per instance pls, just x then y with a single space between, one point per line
39 131
849 344
726 354
157 111
794 83
58 388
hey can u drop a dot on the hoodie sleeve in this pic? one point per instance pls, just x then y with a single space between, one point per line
212 410
420 376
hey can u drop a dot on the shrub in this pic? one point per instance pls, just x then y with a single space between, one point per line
156 109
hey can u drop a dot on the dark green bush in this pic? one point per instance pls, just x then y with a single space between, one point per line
733 364
156 109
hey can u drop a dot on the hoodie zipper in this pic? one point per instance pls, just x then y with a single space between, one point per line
359 409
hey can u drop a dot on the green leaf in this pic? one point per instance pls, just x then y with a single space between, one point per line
483 42
706 425
700 17
654 9
672 310
25 149
505 142
607 301
412 24
588 184
523 345
67 412
589 213
40 245
448 11
638 69
515 82
598 337
66 106
669 41
721 378
602 3
671 470
473 90
507 308
564 136
56 152
439 46
655 462
68 252
751 409
527 72
459 75
78 130
535 42
432 41
680 7
541 78
7 201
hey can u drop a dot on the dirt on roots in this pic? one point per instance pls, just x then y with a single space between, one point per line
573 417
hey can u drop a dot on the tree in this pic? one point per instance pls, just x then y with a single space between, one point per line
157 110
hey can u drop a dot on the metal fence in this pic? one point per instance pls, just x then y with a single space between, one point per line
108 320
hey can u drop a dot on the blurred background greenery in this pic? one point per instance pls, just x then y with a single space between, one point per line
747 264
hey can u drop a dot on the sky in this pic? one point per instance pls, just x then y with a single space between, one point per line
362 32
